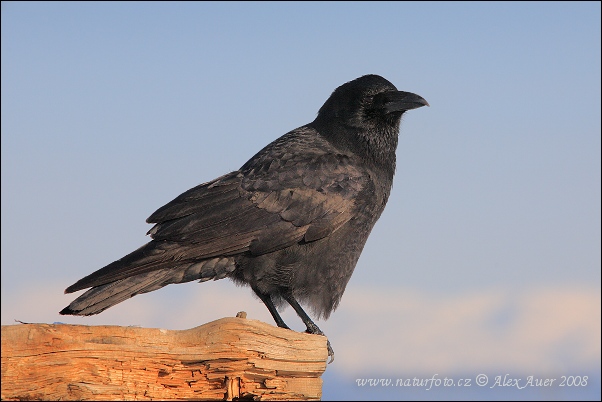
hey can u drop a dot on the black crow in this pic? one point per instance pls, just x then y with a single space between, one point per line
290 223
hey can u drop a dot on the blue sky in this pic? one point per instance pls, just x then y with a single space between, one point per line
487 257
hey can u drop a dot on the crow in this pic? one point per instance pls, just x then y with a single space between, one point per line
290 223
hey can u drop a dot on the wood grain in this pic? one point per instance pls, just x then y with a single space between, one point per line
224 359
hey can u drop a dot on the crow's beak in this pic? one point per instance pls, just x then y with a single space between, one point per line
399 101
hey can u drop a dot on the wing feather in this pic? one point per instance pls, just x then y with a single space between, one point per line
297 189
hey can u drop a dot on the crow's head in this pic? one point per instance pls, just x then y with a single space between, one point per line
366 101
364 114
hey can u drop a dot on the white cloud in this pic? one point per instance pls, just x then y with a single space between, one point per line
540 330
549 329
175 307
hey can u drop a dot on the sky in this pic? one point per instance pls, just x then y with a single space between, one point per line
487 258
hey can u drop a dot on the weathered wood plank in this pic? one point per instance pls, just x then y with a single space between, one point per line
223 359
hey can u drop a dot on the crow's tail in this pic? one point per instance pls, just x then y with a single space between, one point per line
100 298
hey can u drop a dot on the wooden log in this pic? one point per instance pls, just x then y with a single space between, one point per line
224 359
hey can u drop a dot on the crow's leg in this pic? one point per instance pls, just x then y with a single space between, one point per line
267 300
312 328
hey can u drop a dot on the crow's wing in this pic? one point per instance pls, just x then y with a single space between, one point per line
294 190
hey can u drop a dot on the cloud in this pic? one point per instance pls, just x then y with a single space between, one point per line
538 330
175 307
548 329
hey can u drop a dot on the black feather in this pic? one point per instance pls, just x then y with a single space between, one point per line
291 222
